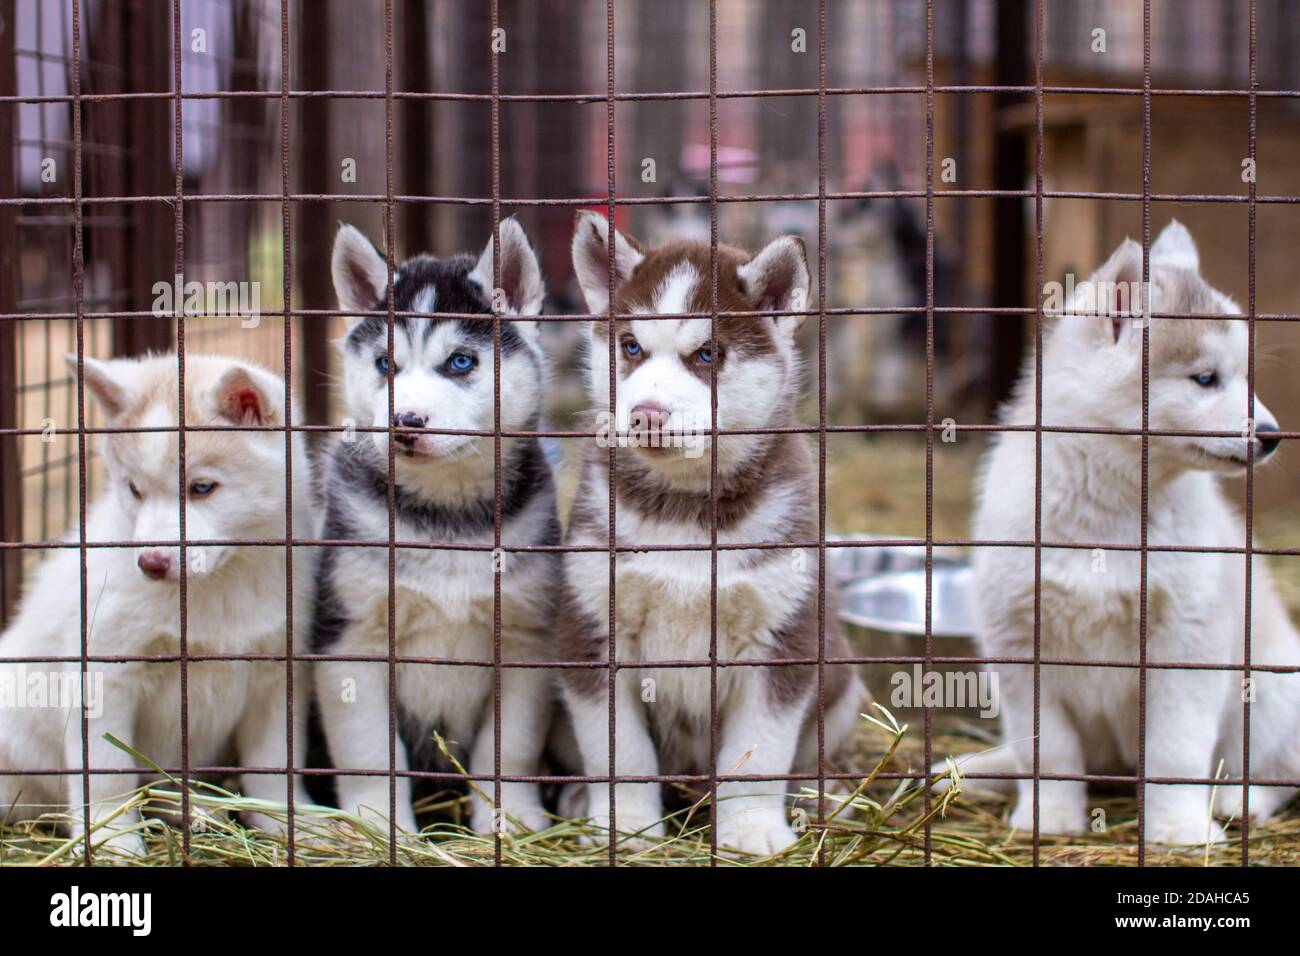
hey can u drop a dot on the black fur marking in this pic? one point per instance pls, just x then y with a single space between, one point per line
361 469
328 617
453 292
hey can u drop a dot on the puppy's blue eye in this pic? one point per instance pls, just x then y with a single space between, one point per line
460 363
705 355
201 489
1206 379
381 363
632 348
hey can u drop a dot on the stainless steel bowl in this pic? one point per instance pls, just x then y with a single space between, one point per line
883 588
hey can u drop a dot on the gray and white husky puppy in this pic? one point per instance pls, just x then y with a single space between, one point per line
443 377
1091 599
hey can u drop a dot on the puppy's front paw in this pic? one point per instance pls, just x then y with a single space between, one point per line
1264 802
532 817
113 842
639 815
1186 829
377 818
268 825
1055 818
1227 803
517 817
760 834
636 830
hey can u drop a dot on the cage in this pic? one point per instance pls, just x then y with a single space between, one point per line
942 160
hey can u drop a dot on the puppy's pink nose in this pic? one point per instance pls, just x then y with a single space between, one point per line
154 564
649 415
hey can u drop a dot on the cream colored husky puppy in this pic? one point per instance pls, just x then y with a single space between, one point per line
236 598
1092 376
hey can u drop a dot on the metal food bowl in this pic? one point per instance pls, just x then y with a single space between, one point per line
883 588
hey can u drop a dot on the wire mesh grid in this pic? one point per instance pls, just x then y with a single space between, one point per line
86 214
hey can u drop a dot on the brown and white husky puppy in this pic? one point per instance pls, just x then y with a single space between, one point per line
766 598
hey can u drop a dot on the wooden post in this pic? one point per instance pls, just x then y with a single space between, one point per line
314 223
11 503
146 35
417 119
1011 170
472 26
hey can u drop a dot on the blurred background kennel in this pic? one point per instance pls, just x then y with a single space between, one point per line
234 167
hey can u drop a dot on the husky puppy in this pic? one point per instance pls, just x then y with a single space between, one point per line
1092 376
766 600
236 599
443 376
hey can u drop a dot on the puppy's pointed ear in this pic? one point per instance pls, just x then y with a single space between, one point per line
1114 293
521 276
111 383
241 399
777 279
360 271
1176 247
591 259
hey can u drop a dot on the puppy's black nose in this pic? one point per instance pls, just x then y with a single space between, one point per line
408 420
1267 442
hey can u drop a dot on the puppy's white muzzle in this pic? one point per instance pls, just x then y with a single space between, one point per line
157 522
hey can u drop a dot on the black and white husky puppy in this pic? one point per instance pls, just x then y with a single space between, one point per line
766 598
443 378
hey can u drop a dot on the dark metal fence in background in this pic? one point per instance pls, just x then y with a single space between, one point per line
236 173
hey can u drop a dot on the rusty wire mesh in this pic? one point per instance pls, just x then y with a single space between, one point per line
66 224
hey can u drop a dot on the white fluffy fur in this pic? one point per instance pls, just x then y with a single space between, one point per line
236 600
1091 493
591 259
663 614
521 276
444 610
